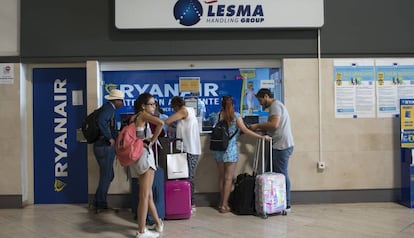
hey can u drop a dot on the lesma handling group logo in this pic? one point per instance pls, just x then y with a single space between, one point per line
190 12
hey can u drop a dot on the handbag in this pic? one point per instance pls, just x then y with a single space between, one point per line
177 165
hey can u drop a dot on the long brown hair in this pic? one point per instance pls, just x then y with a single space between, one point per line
177 102
142 99
227 109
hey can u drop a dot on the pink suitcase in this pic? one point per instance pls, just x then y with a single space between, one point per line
177 199
270 189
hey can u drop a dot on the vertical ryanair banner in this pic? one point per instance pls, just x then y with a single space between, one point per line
60 161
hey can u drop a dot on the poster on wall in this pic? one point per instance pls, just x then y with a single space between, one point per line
394 80
214 84
7 73
354 88
253 80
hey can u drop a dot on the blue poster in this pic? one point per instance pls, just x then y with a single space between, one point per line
60 161
253 80
164 84
407 122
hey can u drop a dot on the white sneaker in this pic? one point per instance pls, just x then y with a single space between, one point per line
147 234
158 229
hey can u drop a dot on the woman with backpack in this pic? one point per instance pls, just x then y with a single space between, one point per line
145 167
226 160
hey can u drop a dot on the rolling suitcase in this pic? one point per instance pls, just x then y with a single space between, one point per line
134 188
157 192
177 198
270 189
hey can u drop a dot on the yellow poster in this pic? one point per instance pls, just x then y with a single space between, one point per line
407 117
189 84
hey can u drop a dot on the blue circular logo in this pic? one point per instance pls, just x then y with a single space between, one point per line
188 12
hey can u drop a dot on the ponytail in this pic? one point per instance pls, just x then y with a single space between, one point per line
227 109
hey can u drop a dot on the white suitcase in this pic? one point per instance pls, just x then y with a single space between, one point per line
270 188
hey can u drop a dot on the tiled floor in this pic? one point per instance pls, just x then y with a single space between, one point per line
327 220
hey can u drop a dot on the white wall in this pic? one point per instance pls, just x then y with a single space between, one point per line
9 27
359 153
10 136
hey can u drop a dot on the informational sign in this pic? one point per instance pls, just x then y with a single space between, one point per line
395 80
354 88
164 84
190 84
181 14
407 114
356 94
407 122
6 73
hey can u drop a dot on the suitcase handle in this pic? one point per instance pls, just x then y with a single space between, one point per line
156 152
270 155
172 140
260 149
256 158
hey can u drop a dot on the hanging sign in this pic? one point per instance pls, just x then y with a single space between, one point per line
190 84
161 14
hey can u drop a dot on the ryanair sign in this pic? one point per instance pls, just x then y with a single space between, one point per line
170 14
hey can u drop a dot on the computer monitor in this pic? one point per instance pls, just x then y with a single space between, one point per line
250 119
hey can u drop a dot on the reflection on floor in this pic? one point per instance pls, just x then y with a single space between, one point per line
325 220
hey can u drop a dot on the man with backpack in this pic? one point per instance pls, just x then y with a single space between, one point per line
104 147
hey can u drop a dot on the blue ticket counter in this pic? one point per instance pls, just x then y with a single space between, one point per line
407 151
407 178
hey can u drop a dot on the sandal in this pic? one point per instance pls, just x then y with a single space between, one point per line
225 209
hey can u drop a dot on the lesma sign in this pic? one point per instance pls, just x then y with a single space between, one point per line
169 14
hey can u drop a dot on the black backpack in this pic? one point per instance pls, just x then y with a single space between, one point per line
220 136
90 127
